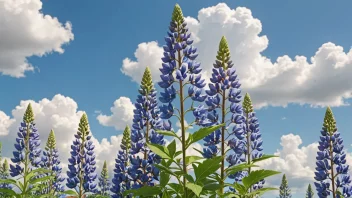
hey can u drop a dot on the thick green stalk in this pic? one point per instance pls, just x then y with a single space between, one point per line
222 173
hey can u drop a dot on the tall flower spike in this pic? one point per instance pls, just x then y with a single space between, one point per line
285 191
146 120
247 144
309 193
104 183
27 154
224 93
121 181
332 171
81 173
4 174
179 65
51 162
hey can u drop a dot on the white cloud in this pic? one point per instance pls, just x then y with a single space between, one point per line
122 114
300 81
25 31
296 161
62 115
5 123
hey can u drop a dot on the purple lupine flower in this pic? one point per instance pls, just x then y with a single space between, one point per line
104 184
332 171
27 146
247 143
121 181
146 120
51 161
81 173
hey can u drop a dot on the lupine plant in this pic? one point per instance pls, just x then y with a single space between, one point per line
331 173
51 162
309 193
285 191
81 174
4 174
26 160
104 184
121 181
146 120
180 73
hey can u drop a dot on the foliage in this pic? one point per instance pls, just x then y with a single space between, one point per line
309 193
104 184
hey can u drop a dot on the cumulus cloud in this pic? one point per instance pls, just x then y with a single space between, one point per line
25 31
121 114
302 80
62 115
296 161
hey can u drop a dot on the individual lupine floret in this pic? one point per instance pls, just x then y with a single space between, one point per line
121 181
104 184
332 171
247 144
146 120
27 155
179 66
51 162
224 91
81 174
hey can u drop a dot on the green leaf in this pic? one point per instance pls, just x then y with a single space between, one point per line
256 176
167 133
166 194
207 167
238 168
37 171
178 153
240 188
212 186
166 170
191 159
195 188
159 150
172 148
145 191
188 177
261 191
8 191
205 131
264 157
70 192
164 178
41 179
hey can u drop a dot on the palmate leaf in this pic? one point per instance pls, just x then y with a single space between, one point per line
256 176
167 133
207 167
36 172
145 191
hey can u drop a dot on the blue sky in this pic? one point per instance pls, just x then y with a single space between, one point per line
107 32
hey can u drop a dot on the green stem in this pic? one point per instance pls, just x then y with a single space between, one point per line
332 168
248 147
26 160
81 168
223 144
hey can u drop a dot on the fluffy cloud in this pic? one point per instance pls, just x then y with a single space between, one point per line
122 114
62 115
301 81
296 161
25 31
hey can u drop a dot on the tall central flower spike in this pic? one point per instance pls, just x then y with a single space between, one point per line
146 120
121 181
332 171
81 173
104 183
28 151
224 93
179 66
247 144
51 162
